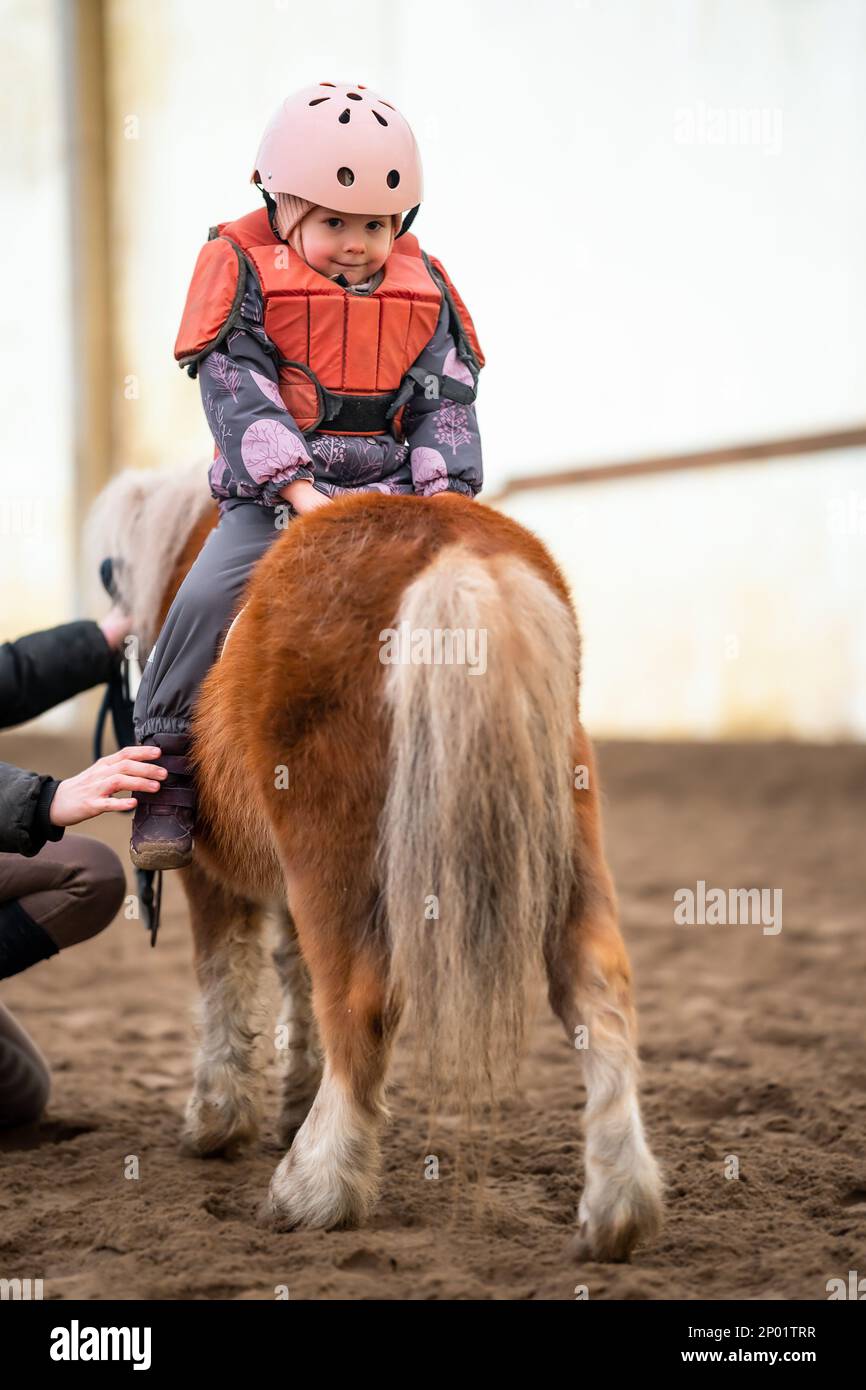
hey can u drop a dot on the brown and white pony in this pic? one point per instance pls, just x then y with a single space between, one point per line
416 826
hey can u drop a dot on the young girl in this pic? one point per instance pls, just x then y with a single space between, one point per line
333 355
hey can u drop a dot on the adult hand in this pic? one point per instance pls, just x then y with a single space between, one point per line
115 626
90 793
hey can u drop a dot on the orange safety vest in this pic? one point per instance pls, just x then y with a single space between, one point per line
346 360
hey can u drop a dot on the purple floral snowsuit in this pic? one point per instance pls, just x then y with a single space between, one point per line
261 450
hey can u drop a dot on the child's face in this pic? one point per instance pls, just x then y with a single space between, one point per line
352 244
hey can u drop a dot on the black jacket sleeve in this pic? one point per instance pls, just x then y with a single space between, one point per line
25 801
46 668
36 673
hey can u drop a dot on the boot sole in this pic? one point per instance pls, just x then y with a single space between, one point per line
162 857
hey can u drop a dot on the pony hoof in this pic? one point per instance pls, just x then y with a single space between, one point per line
610 1235
300 1200
292 1214
209 1132
587 1248
272 1219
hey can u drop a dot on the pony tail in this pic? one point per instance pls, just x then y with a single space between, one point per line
477 832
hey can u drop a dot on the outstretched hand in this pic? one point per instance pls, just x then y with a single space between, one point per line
91 792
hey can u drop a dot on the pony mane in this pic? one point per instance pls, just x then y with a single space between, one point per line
141 521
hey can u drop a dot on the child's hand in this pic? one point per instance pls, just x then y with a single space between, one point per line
303 496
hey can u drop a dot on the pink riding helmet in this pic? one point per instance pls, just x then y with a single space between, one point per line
341 146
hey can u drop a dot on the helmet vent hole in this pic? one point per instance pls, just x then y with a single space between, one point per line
393 179
327 84
353 96
345 177
344 116
388 104
380 119
317 101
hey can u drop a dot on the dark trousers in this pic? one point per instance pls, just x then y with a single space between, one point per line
203 608
66 893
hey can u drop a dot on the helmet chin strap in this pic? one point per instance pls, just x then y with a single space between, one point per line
272 210
408 222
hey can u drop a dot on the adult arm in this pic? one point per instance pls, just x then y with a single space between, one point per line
25 805
46 668
35 808
37 672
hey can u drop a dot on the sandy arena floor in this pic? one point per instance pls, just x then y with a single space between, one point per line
753 1046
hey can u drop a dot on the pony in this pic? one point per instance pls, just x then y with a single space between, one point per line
424 828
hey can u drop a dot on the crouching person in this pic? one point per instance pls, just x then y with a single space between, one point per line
56 890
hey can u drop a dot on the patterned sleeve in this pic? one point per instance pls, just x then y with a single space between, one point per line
261 448
443 437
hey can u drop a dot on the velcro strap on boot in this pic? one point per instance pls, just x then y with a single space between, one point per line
175 762
168 796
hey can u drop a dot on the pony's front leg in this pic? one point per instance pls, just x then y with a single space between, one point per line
297 1038
330 1175
222 1111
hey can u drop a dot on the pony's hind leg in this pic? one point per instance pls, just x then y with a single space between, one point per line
329 1177
222 1111
297 1039
591 992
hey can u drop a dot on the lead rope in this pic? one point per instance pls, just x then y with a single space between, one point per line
118 702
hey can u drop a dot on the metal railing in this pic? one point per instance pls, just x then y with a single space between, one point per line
675 463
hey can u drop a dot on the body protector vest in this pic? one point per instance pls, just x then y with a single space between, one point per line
346 361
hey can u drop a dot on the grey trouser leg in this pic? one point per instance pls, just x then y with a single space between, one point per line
205 604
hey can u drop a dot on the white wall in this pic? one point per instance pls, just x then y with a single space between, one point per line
634 292
722 603
35 344
668 295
